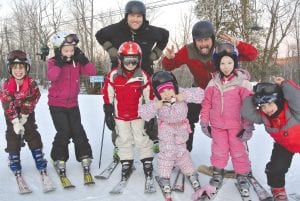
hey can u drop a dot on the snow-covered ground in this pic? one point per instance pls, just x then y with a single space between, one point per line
92 117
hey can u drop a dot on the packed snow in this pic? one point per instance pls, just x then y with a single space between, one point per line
260 147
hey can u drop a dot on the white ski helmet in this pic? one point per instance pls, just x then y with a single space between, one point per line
61 38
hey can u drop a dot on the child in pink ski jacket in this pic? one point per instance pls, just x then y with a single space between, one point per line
170 107
221 119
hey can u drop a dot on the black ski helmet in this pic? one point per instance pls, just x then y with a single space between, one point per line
136 7
162 77
203 29
225 49
265 92
18 57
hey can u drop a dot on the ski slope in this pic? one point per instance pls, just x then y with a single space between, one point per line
260 147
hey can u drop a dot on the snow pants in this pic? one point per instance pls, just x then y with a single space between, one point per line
225 144
170 156
278 166
31 136
67 122
131 133
193 117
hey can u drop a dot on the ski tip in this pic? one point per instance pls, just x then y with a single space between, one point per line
101 177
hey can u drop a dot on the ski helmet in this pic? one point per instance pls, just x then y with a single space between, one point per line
127 49
59 39
18 57
136 7
203 29
225 49
266 93
162 77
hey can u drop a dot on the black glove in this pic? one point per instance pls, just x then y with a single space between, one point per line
59 61
149 125
80 57
109 119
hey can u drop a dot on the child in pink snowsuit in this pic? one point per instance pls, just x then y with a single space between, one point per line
170 107
221 119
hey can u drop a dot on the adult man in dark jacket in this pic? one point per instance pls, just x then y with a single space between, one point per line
198 58
135 27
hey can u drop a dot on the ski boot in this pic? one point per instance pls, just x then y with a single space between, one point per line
15 164
217 178
279 194
165 187
40 161
193 179
126 169
243 184
60 167
148 170
87 177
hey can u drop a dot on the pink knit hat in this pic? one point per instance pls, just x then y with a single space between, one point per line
167 85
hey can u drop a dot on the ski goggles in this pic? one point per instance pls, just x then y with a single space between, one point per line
262 99
130 60
265 87
16 56
225 47
71 39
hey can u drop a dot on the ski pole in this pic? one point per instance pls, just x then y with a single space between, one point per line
102 143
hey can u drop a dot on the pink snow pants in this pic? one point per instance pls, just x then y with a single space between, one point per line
225 143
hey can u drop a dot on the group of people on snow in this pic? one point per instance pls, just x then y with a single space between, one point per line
143 107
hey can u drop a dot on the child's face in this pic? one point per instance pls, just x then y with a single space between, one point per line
269 108
18 71
130 62
226 65
67 51
134 21
167 94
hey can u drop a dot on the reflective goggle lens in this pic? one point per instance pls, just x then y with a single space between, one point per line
227 47
265 88
16 56
130 60
259 100
72 39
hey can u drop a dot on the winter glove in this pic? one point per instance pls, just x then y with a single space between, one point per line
246 133
59 61
155 54
149 125
80 57
155 146
111 50
206 129
109 119
18 127
23 118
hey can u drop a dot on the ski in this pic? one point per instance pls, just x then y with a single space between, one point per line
105 174
294 196
262 193
22 185
166 192
64 180
119 188
88 178
178 185
149 185
47 184
208 170
244 194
